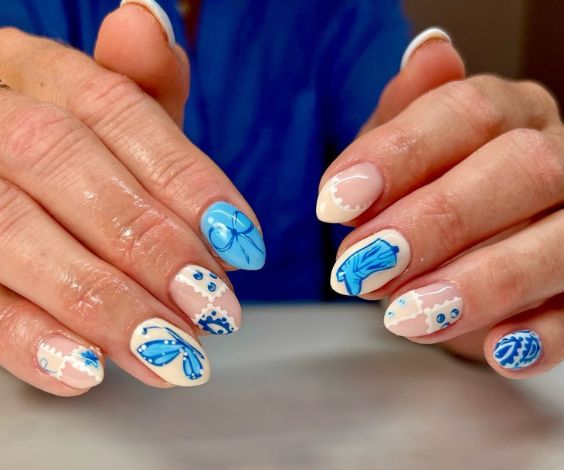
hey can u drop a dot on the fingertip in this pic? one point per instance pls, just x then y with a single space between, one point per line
423 37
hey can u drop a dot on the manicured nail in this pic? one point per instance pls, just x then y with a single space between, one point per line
349 193
206 299
170 353
69 362
371 263
233 236
160 15
422 38
518 350
425 310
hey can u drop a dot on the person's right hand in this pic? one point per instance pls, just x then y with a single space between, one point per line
106 215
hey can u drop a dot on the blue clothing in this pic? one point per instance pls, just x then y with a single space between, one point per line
278 89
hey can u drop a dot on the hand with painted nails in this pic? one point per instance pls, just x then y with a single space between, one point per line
115 230
455 187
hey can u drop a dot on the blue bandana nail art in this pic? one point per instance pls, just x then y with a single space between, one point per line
518 350
233 236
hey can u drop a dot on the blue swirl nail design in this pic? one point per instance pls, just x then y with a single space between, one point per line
376 256
233 236
518 350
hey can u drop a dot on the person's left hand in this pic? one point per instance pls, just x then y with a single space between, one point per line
455 187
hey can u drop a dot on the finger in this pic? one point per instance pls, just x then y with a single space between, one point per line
61 164
137 40
45 265
39 350
434 133
469 204
528 344
484 287
140 134
429 61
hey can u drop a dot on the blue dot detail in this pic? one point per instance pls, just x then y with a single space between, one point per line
454 313
212 275
441 317
212 287
198 275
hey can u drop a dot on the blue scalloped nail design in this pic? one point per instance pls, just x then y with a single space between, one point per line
518 350
233 236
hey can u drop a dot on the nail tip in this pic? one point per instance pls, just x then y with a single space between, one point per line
160 15
433 32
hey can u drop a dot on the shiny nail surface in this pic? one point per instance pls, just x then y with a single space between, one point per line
206 299
70 362
349 193
371 263
233 236
424 311
518 350
159 14
172 354
422 38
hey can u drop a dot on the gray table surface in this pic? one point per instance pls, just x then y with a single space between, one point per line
299 387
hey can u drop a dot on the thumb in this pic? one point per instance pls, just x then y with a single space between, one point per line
429 61
137 40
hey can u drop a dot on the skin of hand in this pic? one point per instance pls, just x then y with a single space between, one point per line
455 189
101 197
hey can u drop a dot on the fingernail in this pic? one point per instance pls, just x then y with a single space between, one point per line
233 236
70 362
349 193
518 350
170 353
425 310
371 263
159 14
206 299
420 39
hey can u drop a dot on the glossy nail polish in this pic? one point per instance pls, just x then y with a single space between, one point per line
233 236
371 263
206 299
70 362
424 311
159 14
422 38
172 354
518 350
349 193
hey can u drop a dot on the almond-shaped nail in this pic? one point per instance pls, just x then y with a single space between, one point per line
206 299
518 350
70 362
160 15
349 193
371 263
425 310
422 38
175 356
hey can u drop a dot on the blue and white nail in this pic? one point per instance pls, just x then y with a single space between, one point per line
169 352
371 263
518 350
233 236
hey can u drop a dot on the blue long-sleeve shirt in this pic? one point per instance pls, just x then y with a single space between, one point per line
278 89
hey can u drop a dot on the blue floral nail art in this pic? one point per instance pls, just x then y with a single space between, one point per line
518 350
233 236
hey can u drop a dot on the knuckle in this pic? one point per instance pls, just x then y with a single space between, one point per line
543 104
504 274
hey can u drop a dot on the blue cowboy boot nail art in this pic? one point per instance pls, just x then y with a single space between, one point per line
233 236
518 350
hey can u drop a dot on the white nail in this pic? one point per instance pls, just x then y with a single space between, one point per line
420 39
161 16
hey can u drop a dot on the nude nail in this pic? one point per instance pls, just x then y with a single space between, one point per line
422 38
160 15
349 193
206 299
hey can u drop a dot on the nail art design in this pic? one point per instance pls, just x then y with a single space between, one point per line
173 355
159 14
207 300
424 311
370 263
349 193
233 236
518 350
70 362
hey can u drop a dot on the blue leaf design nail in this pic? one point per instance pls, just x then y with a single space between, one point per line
90 359
518 349
376 256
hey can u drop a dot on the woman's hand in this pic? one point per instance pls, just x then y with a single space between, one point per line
455 188
107 212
